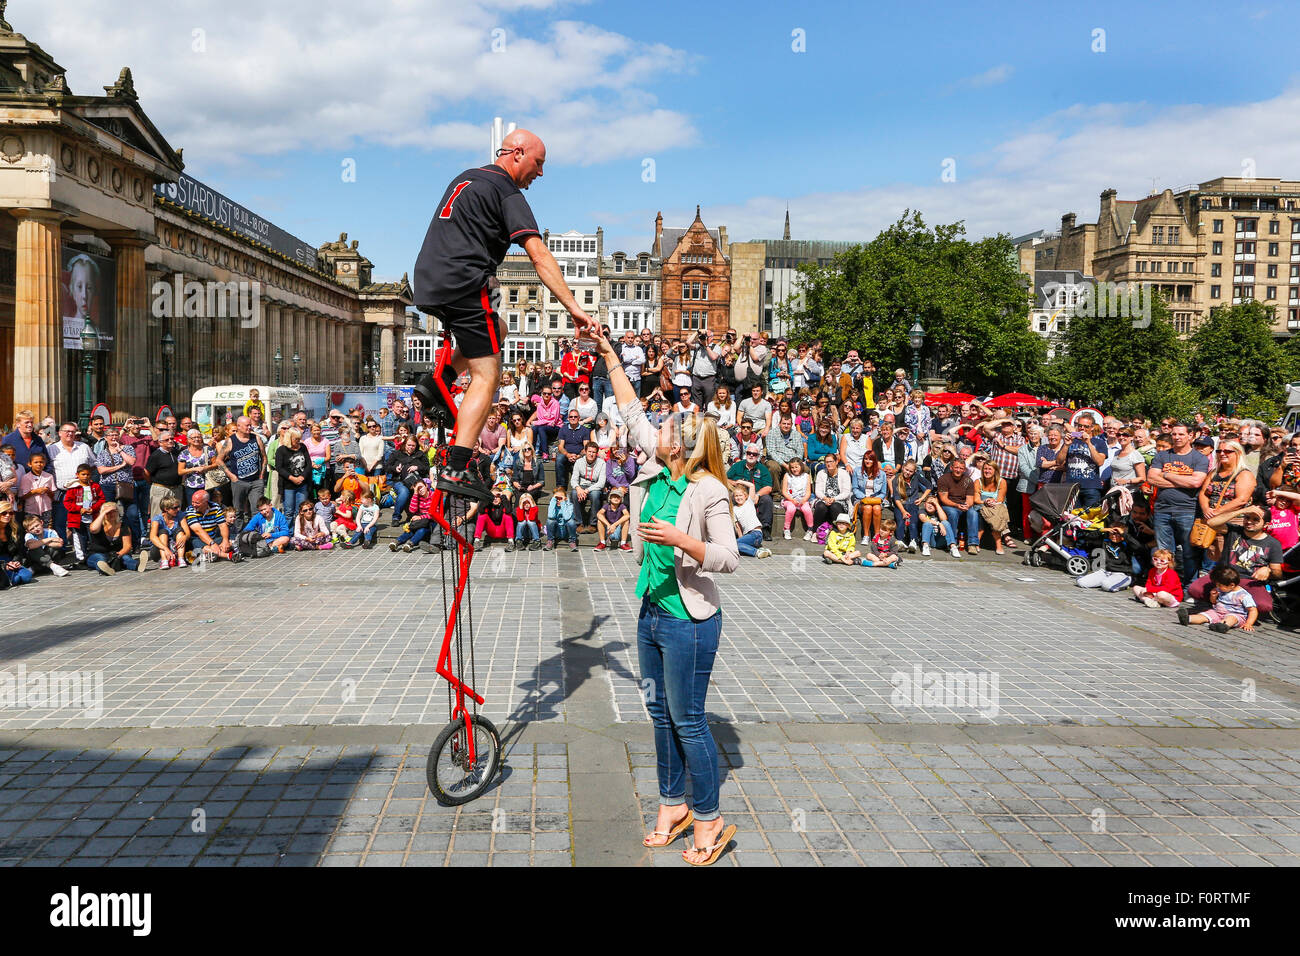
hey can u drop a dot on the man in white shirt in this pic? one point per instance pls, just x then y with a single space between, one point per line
633 358
66 456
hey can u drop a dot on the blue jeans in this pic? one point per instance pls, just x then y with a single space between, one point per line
294 496
140 532
972 525
1174 531
558 530
676 658
544 436
21 576
128 562
367 535
412 537
403 498
601 390
1088 498
929 531
532 533
750 542
586 511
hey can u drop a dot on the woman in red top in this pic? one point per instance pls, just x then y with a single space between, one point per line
575 368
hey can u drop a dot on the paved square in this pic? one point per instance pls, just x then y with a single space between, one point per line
279 712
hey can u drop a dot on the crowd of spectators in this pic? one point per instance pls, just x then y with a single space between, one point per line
856 461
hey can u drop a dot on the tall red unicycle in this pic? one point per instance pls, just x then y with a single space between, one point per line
466 754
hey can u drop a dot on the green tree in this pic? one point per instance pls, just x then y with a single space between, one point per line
1233 354
1126 364
969 296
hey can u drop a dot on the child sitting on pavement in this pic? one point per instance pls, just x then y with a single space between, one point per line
344 525
560 523
1233 606
883 552
840 544
612 523
749 530
1163 587
367 522
43 545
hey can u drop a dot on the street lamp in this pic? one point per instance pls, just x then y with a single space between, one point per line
278 359
374 363
916 338
168 351
297 362
89 343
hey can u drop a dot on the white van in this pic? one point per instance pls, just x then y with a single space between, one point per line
222 404
1290 419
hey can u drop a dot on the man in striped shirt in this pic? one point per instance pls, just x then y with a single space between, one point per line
205 525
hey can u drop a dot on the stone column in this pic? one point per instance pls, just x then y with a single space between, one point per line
260 342
39 362
128 359
387 351
325 361
309 356
300 345
271 316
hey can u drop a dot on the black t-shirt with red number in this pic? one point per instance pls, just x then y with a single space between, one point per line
479 216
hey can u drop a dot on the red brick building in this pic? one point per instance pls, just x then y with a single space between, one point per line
696 278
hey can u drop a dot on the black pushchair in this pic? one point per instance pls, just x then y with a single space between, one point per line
1074 536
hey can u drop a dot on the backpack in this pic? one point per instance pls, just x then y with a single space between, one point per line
823 532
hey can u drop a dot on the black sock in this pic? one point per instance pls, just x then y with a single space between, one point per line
458 457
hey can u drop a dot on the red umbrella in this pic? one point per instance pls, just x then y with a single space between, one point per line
947 398
1016 398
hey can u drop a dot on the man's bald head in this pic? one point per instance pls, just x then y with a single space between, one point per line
522 155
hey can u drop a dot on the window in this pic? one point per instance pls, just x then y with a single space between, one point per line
618 290
1273 226
1272 248
553 321
618 267
643 266
588 297
532 293
1214 292
1270 292
641 291
694 320
514 296
1216 248
1216 269
582 270
1295 227
513 321
419 349
1246 227
1187 266
1174 232
530 322
531 350
1218 225
1157 235
1171 267
1042 325
1272 271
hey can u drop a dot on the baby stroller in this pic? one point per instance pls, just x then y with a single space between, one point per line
1073 536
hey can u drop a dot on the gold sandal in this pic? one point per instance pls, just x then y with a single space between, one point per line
715 851
672 834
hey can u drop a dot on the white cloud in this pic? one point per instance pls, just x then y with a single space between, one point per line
294 74
1057 165
990 77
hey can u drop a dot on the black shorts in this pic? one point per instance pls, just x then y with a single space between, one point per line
473 322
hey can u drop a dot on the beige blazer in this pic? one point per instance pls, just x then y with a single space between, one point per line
705 514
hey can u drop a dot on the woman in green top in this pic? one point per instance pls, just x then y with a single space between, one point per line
685 533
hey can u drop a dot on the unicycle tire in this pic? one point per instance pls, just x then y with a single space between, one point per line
450 781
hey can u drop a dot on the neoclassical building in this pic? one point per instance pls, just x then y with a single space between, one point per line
184 287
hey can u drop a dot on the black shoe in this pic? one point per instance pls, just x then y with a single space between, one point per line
367 545
428 547
465 482
1183 616
430 393
1219 627
767 535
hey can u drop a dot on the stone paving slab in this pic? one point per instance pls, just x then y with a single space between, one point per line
859 804
349 805
835 644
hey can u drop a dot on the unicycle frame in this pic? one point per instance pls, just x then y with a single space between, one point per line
464 556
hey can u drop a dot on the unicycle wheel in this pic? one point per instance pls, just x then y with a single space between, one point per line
452 779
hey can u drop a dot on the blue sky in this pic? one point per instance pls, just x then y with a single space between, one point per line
848 132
